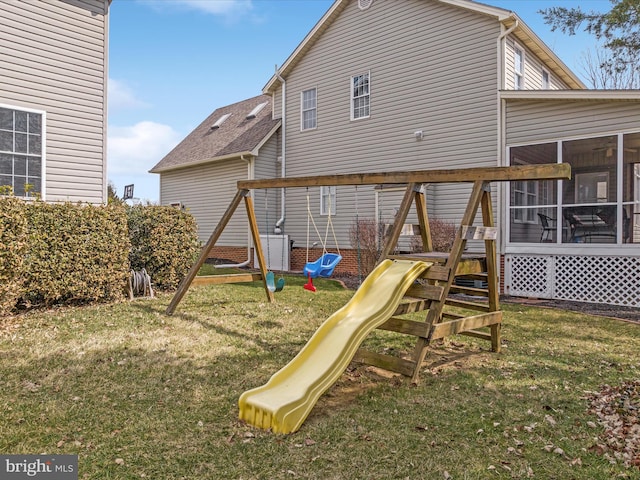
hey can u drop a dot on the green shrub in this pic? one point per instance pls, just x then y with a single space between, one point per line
77 253
164 241
13 248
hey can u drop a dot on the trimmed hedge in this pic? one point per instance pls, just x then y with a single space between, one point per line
164 241
73 253
77 253
13 248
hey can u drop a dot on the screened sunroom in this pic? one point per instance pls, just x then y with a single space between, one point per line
600 204
577 239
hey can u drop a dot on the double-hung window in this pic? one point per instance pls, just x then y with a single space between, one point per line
360 96
546 83
525 194
518 68
309 109
328 200
21 142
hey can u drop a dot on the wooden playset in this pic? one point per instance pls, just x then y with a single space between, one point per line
433 292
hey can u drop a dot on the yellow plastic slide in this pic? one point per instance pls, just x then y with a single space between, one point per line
284 402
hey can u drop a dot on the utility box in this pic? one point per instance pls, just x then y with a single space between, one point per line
275 249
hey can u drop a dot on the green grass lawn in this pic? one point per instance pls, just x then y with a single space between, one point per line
138 394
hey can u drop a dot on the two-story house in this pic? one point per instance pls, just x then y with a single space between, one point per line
380 85
53 79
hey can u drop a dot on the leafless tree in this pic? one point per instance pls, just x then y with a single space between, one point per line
602 71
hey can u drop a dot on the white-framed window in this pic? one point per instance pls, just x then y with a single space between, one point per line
360 96
22 150
525 194
546 83
518 68
309 109
328 200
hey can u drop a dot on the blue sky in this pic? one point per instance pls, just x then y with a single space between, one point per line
172 62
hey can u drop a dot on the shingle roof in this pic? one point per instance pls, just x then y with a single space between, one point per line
236 135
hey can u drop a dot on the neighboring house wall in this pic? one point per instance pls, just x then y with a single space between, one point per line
53 59
206 191
425 75
267 202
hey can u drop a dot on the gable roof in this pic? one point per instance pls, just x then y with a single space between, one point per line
229 132
508 18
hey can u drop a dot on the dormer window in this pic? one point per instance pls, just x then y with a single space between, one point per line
256 110
220 121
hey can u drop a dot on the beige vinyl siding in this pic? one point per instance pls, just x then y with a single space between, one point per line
533 67
425 75
206 191
53 58
539 121
266 166
277 103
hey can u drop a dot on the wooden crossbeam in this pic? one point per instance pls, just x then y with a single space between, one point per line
451 327
475 292
222 279
393 364
554 171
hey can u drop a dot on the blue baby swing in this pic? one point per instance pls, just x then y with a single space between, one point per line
326 264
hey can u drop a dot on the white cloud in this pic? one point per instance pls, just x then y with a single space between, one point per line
219 7
226 8
121 96
133 151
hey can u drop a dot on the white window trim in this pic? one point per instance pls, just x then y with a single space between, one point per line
302 110
43 161
352 98
518 74
332 193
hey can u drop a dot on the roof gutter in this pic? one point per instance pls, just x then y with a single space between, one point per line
230 156
283 163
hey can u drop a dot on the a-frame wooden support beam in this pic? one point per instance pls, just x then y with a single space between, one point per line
204 254
433 294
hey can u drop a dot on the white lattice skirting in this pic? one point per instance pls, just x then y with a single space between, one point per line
597 279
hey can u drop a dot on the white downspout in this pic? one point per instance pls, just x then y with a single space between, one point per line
501 85
250 176
283 164
502 212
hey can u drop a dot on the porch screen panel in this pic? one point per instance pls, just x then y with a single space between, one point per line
589 198
631 188
533 204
